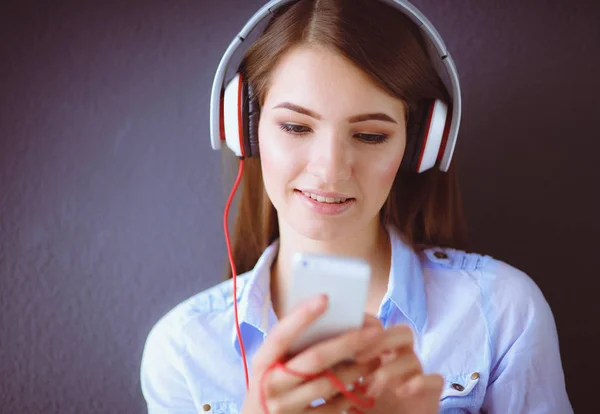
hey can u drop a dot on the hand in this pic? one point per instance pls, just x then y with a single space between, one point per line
287 393
426 401
399 384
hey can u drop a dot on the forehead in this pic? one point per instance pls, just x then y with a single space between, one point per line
327 82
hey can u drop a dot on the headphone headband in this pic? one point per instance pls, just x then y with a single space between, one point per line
436 49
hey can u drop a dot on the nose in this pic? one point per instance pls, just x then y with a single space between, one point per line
331 158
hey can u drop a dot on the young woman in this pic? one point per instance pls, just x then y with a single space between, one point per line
339 83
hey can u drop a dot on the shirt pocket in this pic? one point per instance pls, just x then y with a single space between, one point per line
219 407
462 393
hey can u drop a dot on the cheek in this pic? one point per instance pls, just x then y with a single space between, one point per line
388 171
385 169
272 157
381 180
277 164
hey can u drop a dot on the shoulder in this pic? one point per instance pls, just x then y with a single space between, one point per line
203 311
198 323
495 277
509 298
203 305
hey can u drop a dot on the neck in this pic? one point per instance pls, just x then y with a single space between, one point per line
372 244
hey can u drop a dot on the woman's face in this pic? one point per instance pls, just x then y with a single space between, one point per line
331 142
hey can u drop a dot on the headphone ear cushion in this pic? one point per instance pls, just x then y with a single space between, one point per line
424 136
253 120
235 115
414 136
432 138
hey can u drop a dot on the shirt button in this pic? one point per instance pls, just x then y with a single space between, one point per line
475 376
206 407
458 387
440 255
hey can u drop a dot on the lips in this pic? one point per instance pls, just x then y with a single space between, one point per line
325 199
326 203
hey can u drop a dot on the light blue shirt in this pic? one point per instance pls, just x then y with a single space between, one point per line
482 324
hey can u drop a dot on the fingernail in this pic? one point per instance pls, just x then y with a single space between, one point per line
372 333
407 390
317 302
403 391
374 389
413 388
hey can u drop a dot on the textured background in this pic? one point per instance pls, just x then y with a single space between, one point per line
112 200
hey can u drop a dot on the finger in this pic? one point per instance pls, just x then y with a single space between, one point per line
339 404
397 337
322 356
371 320
433 383
282 335
398 371
330 352
326 387
343 405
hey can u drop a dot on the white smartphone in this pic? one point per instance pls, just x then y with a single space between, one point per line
344 280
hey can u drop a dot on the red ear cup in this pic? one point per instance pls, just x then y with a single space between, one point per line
241 113
424 134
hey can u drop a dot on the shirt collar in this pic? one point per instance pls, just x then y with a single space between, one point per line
406 289
406 285
255 310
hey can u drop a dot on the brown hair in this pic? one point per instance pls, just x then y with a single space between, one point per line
388 47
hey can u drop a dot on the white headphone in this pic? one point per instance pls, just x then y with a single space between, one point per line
234 114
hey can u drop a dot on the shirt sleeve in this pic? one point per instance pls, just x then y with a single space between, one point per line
527 375
163 382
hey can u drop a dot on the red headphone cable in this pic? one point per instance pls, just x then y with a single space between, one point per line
232 264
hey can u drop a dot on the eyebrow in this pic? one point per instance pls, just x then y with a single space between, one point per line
379 116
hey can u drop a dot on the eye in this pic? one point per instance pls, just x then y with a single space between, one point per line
372 138
294 129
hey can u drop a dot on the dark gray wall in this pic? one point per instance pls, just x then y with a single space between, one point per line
112 200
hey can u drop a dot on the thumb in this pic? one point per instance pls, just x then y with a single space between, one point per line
371 321
283 334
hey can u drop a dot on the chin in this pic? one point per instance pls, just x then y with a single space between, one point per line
324 230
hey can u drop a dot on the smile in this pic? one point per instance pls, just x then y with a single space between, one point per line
329 204
321 199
